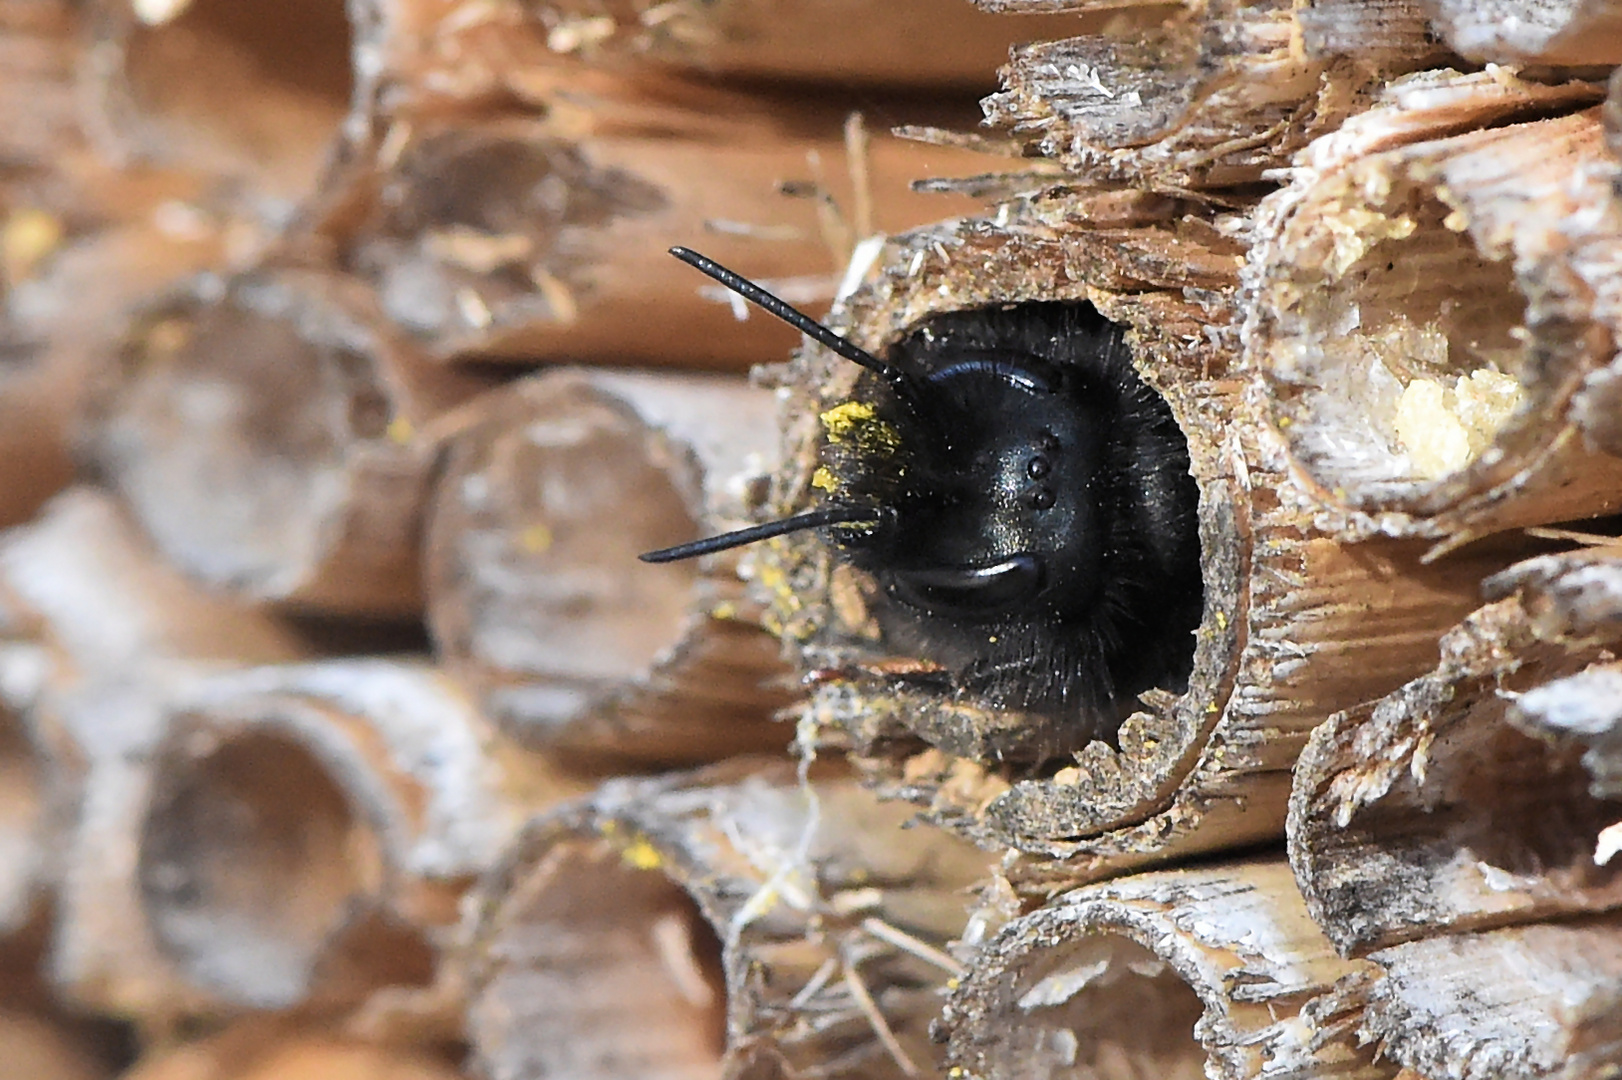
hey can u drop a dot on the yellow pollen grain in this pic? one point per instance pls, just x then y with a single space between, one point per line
400 430
823 480
535 539
642 855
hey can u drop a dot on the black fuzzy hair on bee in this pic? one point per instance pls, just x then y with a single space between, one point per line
1022 499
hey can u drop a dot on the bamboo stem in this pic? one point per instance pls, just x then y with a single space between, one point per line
1213 99
1286 637
1521 1003
102 632
1479 306
507 237
251 90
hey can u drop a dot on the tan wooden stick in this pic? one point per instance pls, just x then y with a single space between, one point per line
536 599
719 923
247 91
501 236
1213 99
1518 1004
949 45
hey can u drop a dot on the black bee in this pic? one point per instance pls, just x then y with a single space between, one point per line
1022 499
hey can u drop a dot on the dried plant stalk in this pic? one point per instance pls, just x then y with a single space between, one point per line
1215 972
271 435
535 596
507 236
99 632
1212 99
1427 810
1286 638
1515 1004
250 90
724 923
1422 318
1570 32
310 827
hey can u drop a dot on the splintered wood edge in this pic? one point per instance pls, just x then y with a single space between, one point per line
1426 811
563 479
714 844
1173 110
1527 1001
1218 969
1312 234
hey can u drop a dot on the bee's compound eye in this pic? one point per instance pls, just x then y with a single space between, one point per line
971 590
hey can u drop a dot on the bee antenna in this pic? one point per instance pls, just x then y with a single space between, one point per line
815 519
798 319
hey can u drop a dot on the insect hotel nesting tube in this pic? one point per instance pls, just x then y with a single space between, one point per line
270 433
1521 1003
1183 974
1432 809
103 634
536 600
733 922
250 90
1423 316
508 200
311 828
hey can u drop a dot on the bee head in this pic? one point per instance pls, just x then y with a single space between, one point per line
1020 496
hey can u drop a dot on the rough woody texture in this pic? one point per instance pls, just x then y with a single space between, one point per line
1428 810
1421 315
1215 972
729 923
1521 1003
1211 99
1287 638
